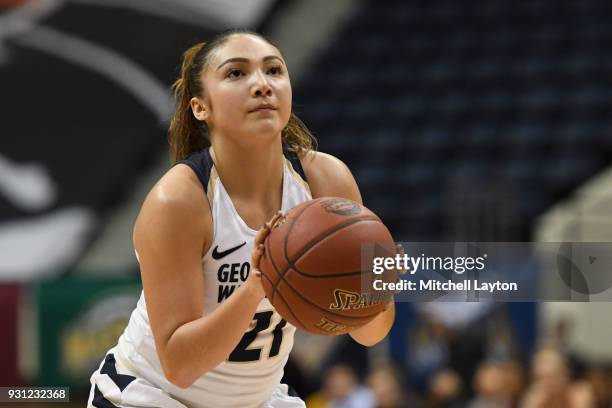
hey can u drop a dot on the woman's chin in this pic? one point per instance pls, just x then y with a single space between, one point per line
266 129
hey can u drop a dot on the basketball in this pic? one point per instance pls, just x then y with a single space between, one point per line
312 269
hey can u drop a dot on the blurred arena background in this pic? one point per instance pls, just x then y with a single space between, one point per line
481 120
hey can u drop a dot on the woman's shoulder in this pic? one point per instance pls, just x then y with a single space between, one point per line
178 198
319 163
179 186
328 176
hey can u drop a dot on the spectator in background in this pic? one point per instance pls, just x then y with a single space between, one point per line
387 384
559 338
497 385
550 381
551 384
601 381
514 374
341 389
581 395
445 390
550 378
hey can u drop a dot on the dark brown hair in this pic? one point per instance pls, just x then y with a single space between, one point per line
187 134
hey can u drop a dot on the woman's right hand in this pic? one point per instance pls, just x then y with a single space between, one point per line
254 279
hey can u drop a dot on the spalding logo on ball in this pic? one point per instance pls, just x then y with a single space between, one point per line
345 300
312 268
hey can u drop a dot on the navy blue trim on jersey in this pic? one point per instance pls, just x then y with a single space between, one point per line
201 163
292 392
295 162
122 380
99 401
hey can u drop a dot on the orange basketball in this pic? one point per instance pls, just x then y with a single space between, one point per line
312 268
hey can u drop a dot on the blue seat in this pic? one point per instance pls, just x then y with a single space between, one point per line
433 94
526 137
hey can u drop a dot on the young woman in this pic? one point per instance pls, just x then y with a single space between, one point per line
203 333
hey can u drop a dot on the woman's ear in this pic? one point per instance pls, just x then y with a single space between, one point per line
200 111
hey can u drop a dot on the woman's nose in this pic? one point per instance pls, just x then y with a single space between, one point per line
261 86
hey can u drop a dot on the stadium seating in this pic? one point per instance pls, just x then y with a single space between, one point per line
423 98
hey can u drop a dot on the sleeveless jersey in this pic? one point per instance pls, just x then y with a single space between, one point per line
249 375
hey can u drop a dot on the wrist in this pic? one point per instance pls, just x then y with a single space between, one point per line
254 290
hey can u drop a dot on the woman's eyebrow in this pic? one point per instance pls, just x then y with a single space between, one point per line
246 60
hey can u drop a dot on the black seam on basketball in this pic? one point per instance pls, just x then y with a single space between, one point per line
291 227
314 241
286 304
285 245
336 275
269 255
325 309
305 327
280 294
263 275
327 234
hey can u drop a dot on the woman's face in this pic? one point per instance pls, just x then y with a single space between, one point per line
247 92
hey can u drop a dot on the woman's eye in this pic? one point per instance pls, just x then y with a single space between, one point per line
274 70
234 73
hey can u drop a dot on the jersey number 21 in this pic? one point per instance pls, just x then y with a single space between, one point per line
262 321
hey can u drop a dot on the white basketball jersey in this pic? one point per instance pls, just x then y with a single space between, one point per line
252 371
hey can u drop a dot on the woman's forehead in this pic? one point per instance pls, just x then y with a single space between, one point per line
243 46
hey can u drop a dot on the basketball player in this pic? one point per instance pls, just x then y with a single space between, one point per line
203 334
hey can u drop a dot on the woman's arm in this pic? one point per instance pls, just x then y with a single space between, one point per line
171 232
330 177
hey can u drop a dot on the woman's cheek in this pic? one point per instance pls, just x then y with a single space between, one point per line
285 102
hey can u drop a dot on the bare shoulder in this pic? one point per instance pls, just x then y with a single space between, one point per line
178 189
177 202
179 186
329 176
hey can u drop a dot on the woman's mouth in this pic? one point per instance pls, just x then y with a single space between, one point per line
263 108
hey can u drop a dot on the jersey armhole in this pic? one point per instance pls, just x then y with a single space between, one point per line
295 163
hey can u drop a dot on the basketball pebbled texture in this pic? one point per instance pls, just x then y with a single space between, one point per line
311 267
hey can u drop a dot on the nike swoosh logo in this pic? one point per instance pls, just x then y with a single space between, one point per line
216 254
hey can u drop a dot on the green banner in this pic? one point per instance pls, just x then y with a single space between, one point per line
78 321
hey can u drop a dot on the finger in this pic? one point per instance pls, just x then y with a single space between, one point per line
256 256
400 249
262 234
259 238
267 228
275 219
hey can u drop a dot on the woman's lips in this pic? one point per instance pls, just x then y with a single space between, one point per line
262 109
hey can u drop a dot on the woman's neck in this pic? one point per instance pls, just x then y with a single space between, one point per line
250 172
